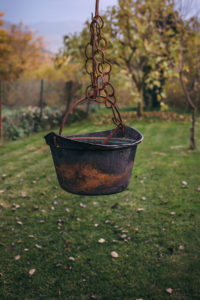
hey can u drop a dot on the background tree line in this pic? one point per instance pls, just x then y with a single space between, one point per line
20 50
144 40
153 45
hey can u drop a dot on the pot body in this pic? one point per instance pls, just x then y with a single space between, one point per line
85 168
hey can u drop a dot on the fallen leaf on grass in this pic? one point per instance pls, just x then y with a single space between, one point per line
16 205
67 210
23 194
2 191
123 236
95 203
31 236
59 265
96 225
17 257
144 198
71 258
101 241
198 189
83 205
184 182
169 291
60 221
19 222
114 254
181 247
140 209
38 246
172 213
136 229
31 272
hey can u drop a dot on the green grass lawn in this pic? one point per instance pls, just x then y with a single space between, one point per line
57 233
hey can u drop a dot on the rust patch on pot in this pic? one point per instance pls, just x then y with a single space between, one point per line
87 179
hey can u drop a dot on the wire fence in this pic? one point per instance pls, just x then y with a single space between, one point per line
51 97
17 94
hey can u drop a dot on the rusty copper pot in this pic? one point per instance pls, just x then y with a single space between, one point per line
85 166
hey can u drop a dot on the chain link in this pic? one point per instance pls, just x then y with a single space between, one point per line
99 68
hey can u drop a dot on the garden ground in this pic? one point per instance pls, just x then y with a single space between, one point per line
49 245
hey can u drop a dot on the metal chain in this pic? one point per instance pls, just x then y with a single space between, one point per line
99 68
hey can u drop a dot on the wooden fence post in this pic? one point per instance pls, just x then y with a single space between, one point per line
41 97
1 116
69 85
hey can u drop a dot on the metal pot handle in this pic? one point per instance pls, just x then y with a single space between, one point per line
69 112
72 108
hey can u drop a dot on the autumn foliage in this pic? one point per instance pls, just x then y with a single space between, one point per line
20 50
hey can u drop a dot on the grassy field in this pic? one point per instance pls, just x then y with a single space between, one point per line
49 243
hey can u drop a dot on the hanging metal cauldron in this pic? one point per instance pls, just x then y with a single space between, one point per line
97 163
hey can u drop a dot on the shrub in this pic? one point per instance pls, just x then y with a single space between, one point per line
29 120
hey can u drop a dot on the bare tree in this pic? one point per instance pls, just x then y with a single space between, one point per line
185 14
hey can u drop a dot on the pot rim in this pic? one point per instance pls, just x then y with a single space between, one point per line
132 135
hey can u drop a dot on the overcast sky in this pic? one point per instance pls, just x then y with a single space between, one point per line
32 11
54 18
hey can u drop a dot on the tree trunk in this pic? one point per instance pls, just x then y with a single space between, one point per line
192 130
140 109
140 88
140 103
189 99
